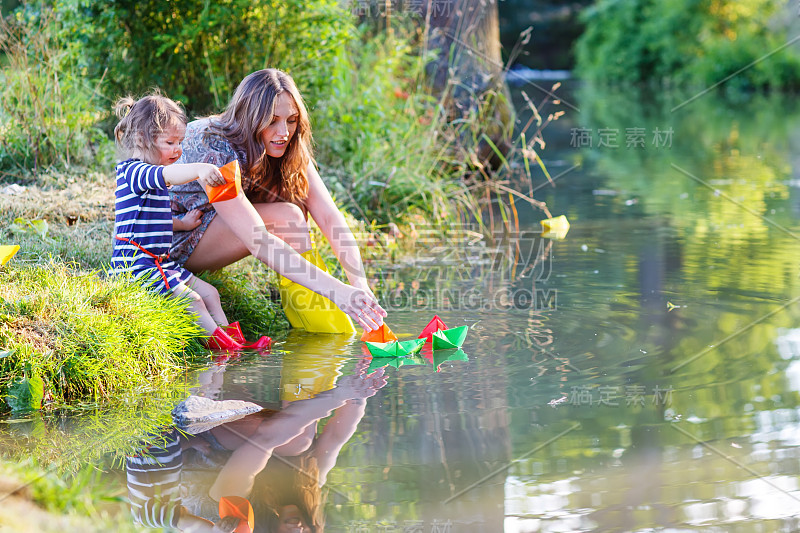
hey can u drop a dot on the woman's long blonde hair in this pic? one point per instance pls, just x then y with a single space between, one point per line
248 114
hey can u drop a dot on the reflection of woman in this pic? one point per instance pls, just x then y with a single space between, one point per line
273 458
266 128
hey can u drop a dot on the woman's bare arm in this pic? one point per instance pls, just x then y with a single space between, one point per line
334 226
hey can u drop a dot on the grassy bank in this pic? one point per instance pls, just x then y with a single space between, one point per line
68 335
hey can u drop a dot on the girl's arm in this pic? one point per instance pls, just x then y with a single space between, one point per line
243 220
189 221
204 173
333 225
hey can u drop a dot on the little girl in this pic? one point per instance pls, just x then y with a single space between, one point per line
150 133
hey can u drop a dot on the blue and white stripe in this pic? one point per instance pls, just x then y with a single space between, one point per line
143 214
154 483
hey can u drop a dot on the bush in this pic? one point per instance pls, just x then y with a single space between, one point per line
67 336
198 51
47 110
692 42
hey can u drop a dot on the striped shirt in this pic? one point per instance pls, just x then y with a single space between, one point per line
143 214
154 483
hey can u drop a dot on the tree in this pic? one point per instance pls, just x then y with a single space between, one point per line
468 72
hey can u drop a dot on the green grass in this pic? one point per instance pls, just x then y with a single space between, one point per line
68 335
48 501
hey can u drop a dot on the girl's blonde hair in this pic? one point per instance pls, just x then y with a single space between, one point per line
143 120
248 114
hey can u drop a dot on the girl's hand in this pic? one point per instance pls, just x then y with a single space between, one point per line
361 305
209 175
189 221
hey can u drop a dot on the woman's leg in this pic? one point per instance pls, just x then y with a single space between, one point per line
218 247
197 306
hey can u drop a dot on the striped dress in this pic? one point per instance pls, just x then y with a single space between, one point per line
143 215
154 483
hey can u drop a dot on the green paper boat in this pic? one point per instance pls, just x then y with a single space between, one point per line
395 348
380 362
449 338
443 356
396 362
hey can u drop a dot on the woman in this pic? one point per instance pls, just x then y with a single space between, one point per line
266 128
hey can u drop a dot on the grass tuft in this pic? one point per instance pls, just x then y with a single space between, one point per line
87 337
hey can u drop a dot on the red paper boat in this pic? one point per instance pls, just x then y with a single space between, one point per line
434 325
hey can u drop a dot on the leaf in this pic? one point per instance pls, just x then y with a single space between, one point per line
23 225
27 393
40 226
496 150
6 353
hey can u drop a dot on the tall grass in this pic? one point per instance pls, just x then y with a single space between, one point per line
76 336
47 111
392 152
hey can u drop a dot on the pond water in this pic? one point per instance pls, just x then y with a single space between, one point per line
641 374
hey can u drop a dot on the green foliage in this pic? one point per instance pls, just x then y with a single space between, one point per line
47 111
697 42
22 226
87 337
82 500
198 51
27 392
366 127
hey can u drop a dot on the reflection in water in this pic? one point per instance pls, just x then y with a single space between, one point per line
274 458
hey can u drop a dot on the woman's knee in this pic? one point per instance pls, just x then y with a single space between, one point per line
288 222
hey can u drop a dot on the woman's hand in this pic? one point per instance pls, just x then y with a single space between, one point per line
360 386
361 305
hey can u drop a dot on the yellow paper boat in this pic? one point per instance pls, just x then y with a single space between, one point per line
555 228
7 251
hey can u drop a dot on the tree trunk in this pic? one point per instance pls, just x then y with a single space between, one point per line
468 73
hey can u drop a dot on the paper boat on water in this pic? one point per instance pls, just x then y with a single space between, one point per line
382 334
435 324
396 362
449 338
555 228
395 348
443 356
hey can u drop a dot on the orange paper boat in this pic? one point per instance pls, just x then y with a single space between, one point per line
382 334
434 325
240 508
232 186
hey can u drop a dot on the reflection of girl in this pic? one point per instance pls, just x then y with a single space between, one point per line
273 458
